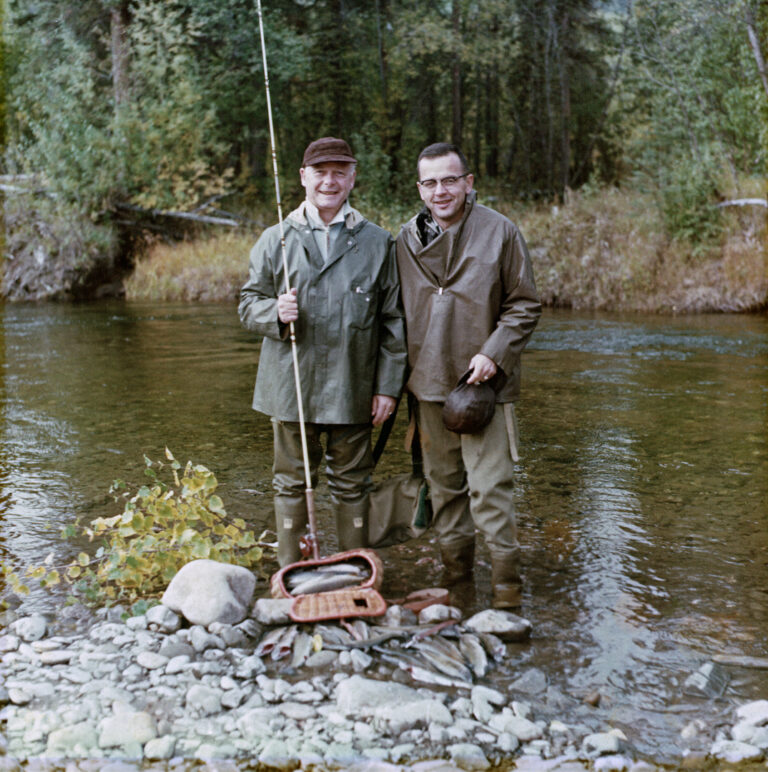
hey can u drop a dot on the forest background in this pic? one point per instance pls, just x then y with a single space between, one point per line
618 135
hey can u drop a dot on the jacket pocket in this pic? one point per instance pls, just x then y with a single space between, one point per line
362 307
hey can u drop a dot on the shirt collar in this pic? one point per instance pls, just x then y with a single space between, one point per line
314 219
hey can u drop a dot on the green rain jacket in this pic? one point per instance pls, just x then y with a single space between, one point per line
350 334
470 291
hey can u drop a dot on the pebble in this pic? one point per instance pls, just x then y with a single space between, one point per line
151 693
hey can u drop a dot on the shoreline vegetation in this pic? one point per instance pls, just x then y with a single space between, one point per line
601 250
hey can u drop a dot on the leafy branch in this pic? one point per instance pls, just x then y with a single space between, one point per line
163 526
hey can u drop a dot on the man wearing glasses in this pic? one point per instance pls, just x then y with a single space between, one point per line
470 305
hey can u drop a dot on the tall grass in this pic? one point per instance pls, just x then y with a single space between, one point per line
600 249
211 269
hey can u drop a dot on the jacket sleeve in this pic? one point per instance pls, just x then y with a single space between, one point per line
258 297
520 304
392 354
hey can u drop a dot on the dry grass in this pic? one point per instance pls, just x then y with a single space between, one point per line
203 271
607 251
602 250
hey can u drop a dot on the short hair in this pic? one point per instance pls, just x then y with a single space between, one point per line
438 150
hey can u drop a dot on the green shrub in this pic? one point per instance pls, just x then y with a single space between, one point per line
161 528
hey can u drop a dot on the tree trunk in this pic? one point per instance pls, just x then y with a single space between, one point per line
456 128
754 42
565 109
119 46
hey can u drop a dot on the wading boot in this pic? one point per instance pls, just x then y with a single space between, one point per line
506 583
458 561
291 522
352 524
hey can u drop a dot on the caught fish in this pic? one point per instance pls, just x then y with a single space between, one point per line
326 583
303 646
268 642
427 676
474 653
493 645
332 634
300 575
360 629
737 660
446 661
284 644
368 643
344 568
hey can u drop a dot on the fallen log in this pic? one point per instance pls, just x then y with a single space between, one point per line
201 218
744 202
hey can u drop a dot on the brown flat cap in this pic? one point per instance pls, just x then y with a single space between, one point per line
328 149
469 408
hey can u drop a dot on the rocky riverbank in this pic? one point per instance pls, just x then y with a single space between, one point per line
115 692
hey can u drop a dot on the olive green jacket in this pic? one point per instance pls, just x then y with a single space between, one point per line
350 335
469 291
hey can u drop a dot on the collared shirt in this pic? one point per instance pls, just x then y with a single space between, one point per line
326 235
428 229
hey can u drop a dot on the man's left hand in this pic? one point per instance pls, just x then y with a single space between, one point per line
483 368
382 408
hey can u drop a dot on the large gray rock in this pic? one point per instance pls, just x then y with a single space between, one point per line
205 591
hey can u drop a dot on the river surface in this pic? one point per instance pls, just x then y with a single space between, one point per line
642 487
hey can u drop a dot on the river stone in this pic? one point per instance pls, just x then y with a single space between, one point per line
206 591
31 628
468 756
735 752
402 717
361 696
522 728
533 681
273 611
502 624
710 680
202 640
56 657
438 612
149 660
494 696
8 643
602 743
203 700
754 712
278 754
163 619
78 739
127 729
160 748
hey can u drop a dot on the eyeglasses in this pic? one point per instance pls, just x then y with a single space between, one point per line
446 182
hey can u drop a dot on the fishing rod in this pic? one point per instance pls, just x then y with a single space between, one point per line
309 492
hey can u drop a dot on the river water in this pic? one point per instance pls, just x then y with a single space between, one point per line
642 487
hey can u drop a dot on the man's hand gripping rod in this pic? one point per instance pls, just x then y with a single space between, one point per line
310 494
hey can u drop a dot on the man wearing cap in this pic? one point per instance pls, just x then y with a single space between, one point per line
470 305
345 305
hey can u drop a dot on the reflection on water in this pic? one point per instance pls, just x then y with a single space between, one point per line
642 495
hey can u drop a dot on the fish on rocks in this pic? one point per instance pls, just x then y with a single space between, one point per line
474 653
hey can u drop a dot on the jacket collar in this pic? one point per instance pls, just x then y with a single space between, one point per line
352 218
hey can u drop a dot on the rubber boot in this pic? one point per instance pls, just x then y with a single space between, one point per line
458 561
506 582
291 522
352 524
